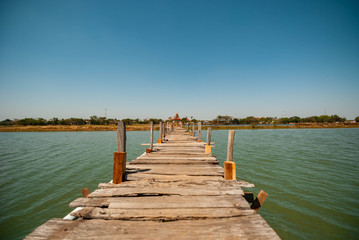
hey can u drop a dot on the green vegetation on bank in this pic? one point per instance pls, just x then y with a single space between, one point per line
228 120
219 120
93 120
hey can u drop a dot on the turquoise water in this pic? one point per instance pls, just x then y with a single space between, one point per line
311 176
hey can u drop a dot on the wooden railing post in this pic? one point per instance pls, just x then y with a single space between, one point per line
229 165
208 148
119 160
193 129
149 150
163 130
160 134
199 131
85 192
258 202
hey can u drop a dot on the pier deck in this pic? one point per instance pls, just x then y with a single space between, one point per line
175 192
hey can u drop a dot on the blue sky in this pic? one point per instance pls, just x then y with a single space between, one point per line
198 58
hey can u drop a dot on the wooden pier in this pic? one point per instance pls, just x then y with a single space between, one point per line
174 191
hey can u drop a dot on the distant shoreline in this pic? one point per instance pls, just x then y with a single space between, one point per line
146 127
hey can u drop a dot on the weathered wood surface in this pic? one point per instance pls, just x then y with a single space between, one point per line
244 227
175 192
163 191
178 177
173 161
230 146
157 202
163 214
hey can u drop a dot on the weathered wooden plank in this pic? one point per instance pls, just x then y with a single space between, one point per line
164 214
244 227
153 202
169 158
193 182
140 176
181 149
177 153
177 143
90 202
174 161
163 191
169 167
187 172
52 229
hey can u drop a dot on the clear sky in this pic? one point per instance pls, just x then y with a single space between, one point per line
198 58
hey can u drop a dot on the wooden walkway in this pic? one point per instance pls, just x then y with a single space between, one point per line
175 192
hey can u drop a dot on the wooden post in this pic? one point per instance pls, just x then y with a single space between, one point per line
121 136
209 133
119 159
199 131
160 134
193 129
262 196
163 130
249 197
85 192
230 146
229 170
151 138
229 165
208 148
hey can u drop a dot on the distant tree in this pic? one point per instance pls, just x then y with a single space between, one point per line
223 120
102 121
6 122
53 121
235 121
77 121
284 120
94 120
336 118
184 120
294 119
111 121
127 121
156 120
41 121
357 119
249 120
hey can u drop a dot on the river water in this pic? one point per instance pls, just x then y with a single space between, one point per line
311 176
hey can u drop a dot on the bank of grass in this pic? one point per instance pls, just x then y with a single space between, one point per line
291 126
146 127
71 128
